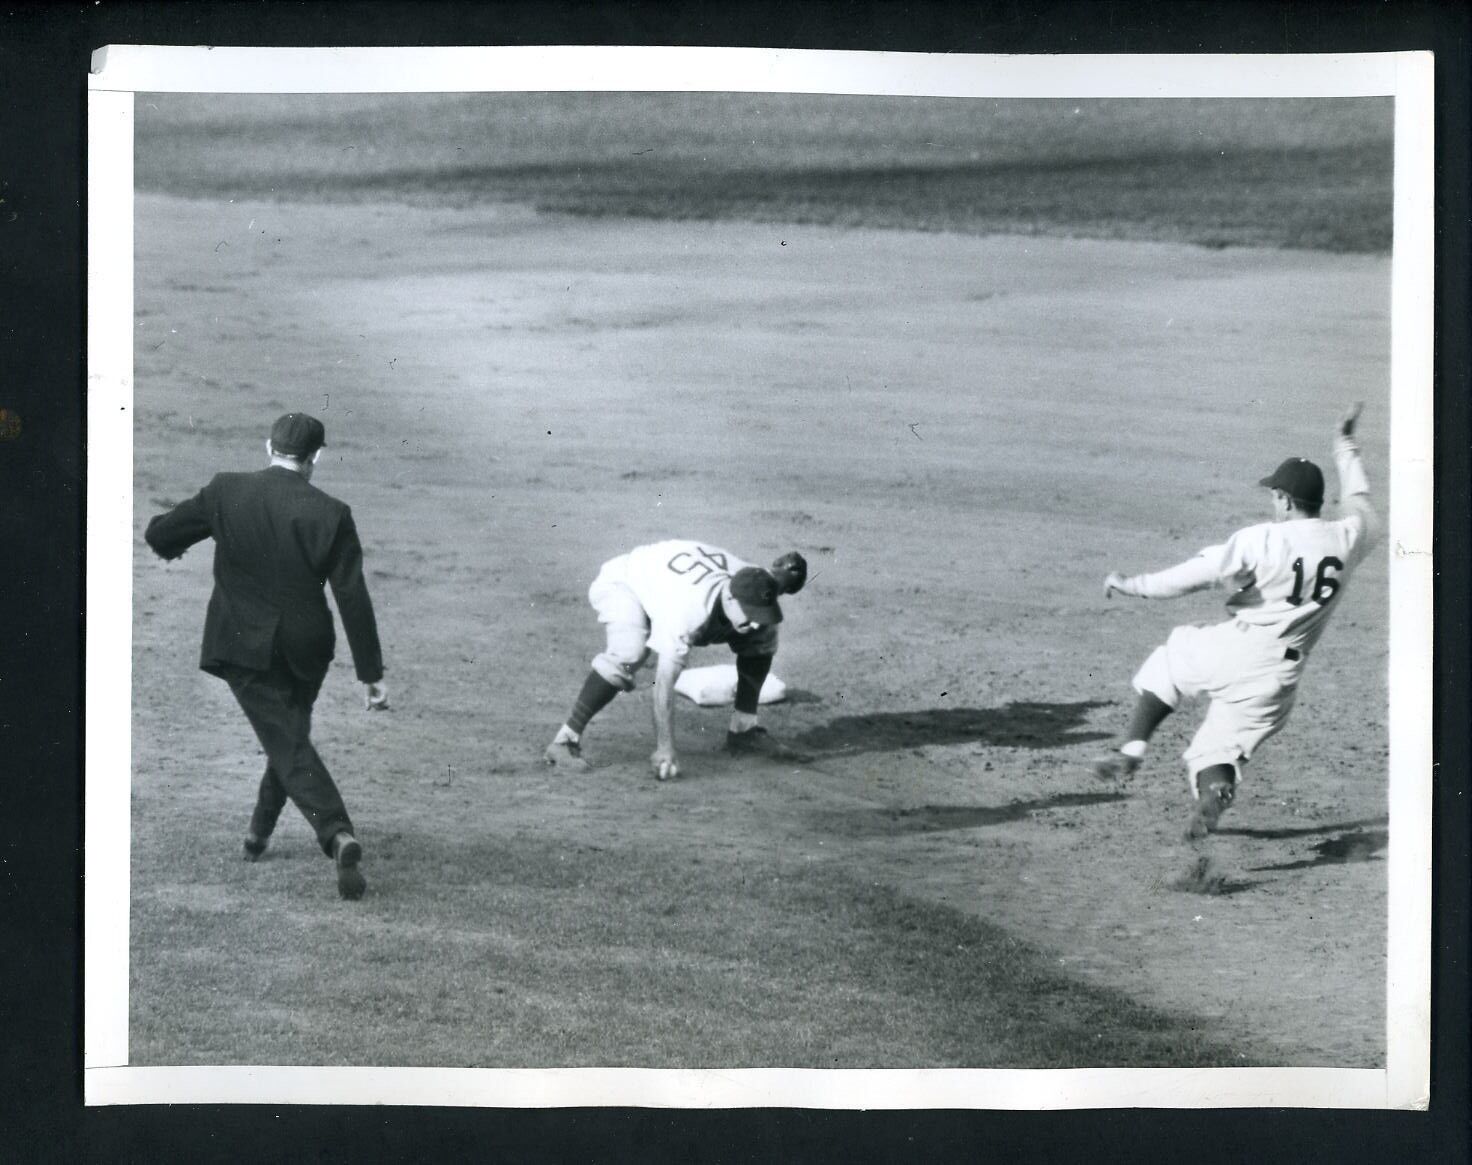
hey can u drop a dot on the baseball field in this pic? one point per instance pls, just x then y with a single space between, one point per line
967 357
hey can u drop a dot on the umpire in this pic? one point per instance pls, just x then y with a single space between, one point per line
268 632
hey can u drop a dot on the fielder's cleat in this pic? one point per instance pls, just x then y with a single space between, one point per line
1116 766
759 742
566 755
253 847
347 852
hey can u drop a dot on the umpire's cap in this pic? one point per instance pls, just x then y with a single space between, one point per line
756 591
1300 479
297 435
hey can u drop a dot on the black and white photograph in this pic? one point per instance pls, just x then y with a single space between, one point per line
862 575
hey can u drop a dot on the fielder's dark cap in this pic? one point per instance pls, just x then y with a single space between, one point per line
791 572
297 435
756 591
1300 479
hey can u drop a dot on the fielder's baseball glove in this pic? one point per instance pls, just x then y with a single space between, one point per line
791 572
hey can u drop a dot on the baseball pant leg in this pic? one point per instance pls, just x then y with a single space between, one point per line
270 800
1233 729
279 708
1252 694
1179 667
626 629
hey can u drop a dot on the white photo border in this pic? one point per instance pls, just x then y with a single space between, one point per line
120 71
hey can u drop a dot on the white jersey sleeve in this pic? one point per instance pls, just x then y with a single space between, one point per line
1354 493
678 583
1283 576
1195 574
1300 567
1298 570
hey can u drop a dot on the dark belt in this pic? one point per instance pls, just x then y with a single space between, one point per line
1293 654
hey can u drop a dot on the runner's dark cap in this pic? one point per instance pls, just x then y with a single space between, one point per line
1300 479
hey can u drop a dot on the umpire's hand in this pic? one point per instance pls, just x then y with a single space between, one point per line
377 697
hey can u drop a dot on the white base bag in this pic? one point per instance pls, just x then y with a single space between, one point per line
713 685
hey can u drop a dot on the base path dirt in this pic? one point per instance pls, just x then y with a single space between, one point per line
963 435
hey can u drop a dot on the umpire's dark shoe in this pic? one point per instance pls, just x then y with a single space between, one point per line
347 852
253 847
759 742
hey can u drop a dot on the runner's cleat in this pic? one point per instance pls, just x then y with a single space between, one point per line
1208 811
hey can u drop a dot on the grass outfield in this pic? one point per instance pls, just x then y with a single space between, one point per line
1307 173
533 953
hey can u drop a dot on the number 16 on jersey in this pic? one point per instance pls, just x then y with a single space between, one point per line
1325 584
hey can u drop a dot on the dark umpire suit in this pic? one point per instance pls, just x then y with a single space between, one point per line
268 631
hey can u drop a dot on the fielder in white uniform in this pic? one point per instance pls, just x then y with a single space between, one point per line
1286 577
667 598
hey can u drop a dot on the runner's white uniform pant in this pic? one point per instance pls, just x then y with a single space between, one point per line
1250 675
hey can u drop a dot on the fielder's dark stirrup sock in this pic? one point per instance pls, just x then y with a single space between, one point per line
1217 789
1150 710
751 673
596 695
1220 781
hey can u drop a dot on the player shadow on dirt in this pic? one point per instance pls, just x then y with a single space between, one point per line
883 822
1021 724
1206 876
1301 831
1229 887
1359 846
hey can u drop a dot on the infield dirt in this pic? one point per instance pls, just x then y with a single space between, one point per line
962 434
